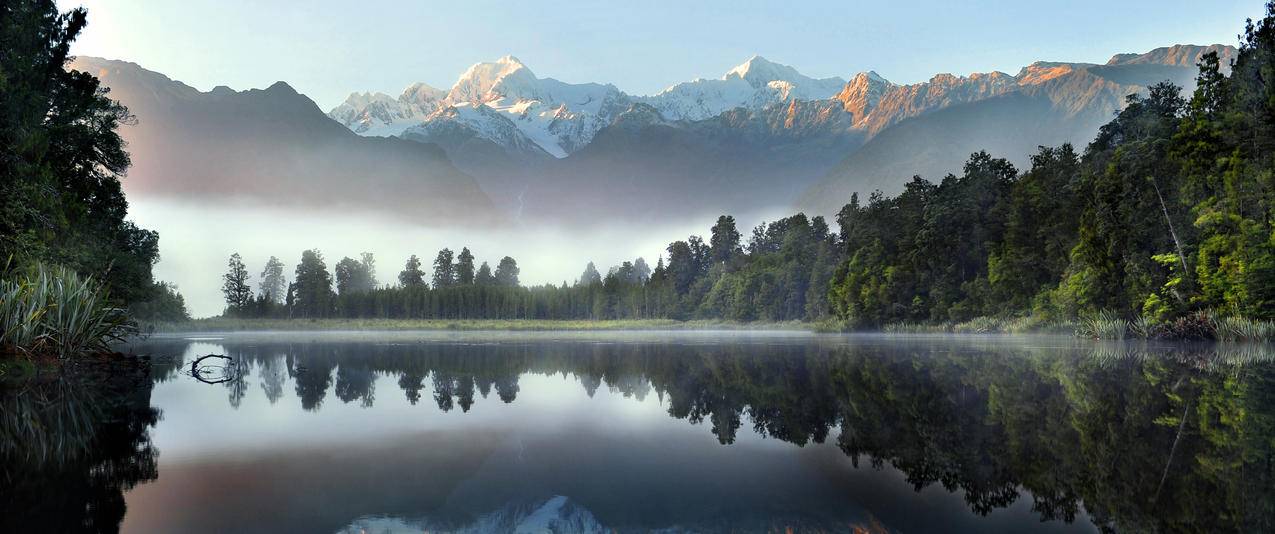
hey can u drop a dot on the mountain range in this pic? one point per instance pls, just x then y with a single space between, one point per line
276 146
503 143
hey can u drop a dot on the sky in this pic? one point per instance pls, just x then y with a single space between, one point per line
329 48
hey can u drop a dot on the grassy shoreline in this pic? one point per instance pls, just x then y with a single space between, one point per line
221 324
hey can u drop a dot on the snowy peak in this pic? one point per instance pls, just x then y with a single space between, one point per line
481 81
754 84
758 71
422 93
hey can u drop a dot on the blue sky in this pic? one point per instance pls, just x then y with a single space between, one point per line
328 48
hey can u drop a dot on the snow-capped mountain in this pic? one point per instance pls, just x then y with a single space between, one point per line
560 118
380 115
557 117
754 84
760 132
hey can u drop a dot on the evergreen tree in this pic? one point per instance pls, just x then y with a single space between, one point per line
465 267
273 284
412 275
641 271
235 284
444 269
352 276
590 276
61 157
484 276
507 272
369 267
313 294
725 240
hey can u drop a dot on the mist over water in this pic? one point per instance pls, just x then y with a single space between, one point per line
197 238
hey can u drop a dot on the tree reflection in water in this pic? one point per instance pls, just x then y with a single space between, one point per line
1138 438
72 444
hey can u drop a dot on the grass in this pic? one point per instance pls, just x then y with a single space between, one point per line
52 310
984 325
1103 325
223 324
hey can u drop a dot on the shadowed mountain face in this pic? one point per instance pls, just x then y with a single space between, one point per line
275 146
503 143
767 138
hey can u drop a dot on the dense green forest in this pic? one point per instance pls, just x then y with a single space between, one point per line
1165 216
61 161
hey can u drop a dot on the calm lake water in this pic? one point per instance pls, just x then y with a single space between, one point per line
677 432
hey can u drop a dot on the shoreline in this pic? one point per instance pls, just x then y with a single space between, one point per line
218 324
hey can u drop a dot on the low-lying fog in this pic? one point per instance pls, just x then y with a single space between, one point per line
196 240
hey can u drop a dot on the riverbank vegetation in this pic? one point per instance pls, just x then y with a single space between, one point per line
1162 227
49 310
64 235
231 324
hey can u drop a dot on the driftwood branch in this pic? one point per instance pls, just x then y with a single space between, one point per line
198 372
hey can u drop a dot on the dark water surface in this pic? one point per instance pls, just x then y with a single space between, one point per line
680 432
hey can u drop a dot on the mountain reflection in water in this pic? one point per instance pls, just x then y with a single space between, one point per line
584 433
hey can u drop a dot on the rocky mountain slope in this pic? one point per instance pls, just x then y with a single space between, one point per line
1048 104
275 145
761 135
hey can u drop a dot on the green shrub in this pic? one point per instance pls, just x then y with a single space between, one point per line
53 310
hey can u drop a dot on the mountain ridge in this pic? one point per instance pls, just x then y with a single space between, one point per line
275 145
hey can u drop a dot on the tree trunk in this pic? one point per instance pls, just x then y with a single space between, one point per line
1172 233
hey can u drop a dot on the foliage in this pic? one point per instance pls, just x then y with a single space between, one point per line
1175 198
166 304
61 158
53 310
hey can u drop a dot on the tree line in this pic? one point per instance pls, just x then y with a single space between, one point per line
1167 213
780 274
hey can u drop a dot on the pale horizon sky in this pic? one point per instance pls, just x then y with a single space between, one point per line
329 49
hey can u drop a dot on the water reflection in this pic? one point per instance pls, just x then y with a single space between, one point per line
72 444
1121 437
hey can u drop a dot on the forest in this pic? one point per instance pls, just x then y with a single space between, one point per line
1165 218
1163 223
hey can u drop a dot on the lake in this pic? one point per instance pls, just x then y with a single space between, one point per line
644 431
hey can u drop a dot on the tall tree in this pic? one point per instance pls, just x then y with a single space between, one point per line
444 269
641 271
352 276
724 242
465 267
61 157
484 276
235 284
369 266
412 275
313 294
590 276
273 284
507 272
